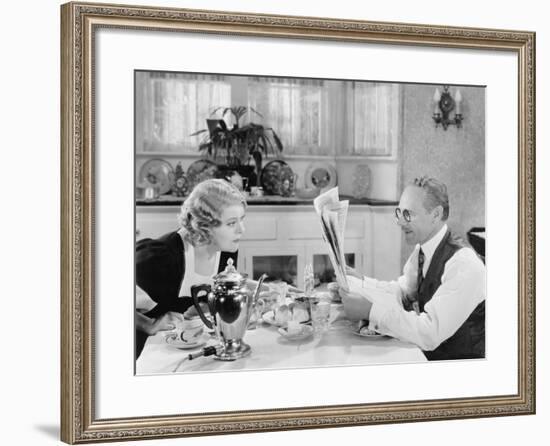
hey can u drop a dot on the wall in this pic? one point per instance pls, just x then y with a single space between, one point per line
454 156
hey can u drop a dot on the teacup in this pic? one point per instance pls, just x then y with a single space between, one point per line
192 329
187 330
293 328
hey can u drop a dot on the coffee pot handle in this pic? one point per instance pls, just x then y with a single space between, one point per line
195 291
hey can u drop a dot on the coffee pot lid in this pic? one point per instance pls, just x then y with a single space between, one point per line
230 274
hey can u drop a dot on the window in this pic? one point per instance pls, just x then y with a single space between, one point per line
296 109
375 110
171 106
312 117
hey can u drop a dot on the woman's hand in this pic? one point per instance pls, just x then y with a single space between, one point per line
167 321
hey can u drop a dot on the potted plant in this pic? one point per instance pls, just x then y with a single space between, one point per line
236 145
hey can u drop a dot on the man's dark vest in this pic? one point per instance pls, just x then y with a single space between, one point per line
469 340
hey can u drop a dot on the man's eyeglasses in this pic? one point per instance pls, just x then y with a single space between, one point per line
404 213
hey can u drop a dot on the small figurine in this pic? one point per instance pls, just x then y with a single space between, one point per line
286 190
181 186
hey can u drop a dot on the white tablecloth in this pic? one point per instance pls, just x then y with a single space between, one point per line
338 346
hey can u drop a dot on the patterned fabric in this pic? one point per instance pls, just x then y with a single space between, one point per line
419 280
410 301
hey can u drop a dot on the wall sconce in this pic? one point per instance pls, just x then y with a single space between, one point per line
444 104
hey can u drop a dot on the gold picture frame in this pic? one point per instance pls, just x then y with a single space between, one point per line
79 22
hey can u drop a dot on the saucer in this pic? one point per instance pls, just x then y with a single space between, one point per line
269 318
177 342
372 334
306 332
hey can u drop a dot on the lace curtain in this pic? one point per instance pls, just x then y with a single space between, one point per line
375 110
312 117
297 109
336 118
171 106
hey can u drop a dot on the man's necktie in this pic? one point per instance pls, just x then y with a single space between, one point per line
420 276
419 279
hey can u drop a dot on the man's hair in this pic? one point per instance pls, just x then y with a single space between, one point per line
435 194
202 210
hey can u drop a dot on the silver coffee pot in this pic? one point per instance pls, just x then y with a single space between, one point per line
231 306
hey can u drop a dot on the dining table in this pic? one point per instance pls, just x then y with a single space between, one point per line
340 344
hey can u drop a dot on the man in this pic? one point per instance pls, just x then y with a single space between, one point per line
439 301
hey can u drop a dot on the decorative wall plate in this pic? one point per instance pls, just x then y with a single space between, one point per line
277 178
200 170
321 175
157 173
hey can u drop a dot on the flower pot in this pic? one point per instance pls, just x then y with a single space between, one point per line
246 172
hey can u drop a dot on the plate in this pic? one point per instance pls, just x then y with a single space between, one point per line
307 331
201 170
357 333
277 178
157 173
321 175
269 318
177 342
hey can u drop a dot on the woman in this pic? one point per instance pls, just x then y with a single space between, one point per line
211 226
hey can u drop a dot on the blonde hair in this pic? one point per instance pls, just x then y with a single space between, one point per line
202 210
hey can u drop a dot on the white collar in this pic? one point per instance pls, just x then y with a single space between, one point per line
430 246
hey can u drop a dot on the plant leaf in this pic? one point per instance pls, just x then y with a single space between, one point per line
257 160
198 132
257 112
277 140
213 112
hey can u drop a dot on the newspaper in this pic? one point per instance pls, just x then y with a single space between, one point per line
333 213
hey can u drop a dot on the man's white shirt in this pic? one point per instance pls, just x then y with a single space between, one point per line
463 287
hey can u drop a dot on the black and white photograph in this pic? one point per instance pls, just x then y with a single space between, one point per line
286 222
321 176
276 222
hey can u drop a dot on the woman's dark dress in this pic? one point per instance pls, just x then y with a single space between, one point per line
160 267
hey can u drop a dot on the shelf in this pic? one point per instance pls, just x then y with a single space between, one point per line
169 200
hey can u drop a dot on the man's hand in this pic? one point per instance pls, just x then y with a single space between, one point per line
353 272
356 306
